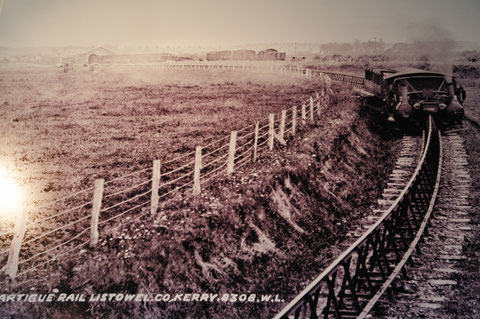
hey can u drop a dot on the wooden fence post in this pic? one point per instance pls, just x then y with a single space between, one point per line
11 267
318 109
196 171
271 130
294 120
255 141
155 185
282 125
231 153
96 205
304 114
311 108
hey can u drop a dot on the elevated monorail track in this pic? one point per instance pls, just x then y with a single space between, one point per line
354 282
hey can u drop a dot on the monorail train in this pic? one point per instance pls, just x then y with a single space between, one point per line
411 94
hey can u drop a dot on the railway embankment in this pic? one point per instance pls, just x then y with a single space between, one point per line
269 229
430 284
443 281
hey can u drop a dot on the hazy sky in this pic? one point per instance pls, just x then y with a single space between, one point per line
224 22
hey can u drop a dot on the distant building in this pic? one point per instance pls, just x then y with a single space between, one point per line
95 56
270 54
244 55
219 55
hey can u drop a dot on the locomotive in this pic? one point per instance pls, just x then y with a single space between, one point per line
410 95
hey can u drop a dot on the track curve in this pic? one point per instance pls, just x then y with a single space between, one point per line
355 281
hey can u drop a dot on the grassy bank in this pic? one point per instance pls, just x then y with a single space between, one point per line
268 230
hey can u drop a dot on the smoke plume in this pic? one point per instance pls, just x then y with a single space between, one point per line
434 42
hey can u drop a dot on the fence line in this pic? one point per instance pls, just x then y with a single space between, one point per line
126 175
218 159
53 259
64 198
178 169
122 213
126 201
62 213
215 150
243 149
177 158
173 181
216 170
109 231
127 189
55 230
55 247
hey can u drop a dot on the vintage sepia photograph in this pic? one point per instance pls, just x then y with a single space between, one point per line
239 159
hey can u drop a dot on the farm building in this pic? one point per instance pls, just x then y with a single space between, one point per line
219 55
271 54
244 55
95 56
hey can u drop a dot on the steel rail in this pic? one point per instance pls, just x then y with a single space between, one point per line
351 285
409 252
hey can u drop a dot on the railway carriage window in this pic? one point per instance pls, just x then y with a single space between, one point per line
418 84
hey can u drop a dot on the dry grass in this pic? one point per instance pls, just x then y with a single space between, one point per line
62 130
236 237
239 235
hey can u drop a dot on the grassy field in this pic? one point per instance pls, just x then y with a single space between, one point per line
268 230
62 130
470 77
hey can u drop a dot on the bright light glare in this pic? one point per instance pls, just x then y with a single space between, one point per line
10 196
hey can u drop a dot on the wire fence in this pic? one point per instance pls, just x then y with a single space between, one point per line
45 239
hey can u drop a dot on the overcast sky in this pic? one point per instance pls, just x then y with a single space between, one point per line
224 22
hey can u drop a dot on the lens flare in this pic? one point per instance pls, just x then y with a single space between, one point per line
10 196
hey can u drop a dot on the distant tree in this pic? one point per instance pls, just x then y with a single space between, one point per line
423 58
471 56
356 46
381 45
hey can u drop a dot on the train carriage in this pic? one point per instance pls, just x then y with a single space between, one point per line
410 94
